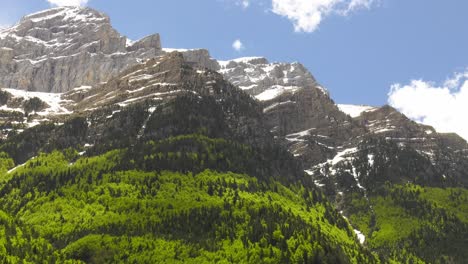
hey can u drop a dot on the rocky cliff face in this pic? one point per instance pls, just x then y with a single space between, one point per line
328 138
163 97
296 107
197 58
62 48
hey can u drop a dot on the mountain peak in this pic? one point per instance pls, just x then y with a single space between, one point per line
60 29
39 52
67 13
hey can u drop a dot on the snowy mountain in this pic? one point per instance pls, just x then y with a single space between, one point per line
76 52
69 80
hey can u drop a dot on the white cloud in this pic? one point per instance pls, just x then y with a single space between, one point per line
68 2
245 3
238 45
442 106
307 15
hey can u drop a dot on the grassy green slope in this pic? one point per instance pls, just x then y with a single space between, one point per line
414 223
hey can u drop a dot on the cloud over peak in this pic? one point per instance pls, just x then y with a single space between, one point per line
68 2
307 15
442 106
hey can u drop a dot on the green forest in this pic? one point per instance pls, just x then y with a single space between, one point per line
64 208
413 223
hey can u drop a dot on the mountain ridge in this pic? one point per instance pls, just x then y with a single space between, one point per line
154 110
296 107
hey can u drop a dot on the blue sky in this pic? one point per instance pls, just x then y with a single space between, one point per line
358 54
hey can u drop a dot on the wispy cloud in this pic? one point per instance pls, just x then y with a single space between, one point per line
68 2
244 3
442 106
237 45
306 15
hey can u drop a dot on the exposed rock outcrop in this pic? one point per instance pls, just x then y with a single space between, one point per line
66 47
296 107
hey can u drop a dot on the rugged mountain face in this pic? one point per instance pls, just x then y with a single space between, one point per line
296 107
206 173
386 124
147 110
284 88
360 156
62 48
301 112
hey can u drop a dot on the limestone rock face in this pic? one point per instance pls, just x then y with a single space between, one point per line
296 107
198 58
159 82
62 48
6 59
293 100
161 78
149 42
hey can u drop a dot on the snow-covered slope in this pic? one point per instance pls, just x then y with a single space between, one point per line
355 110
14 115
55 104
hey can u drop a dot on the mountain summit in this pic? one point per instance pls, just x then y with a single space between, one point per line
66 47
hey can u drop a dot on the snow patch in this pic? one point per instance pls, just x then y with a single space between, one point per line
318 184
355 110
297 136
172 50
341 156
53 100
360 236
247 59
153 96
370 159
129 42
276 91
82 88
273 106
323 90
12 170
19 166
383 130
141 77
248 87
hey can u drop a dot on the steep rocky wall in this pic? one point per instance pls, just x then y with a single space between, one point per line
62 48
